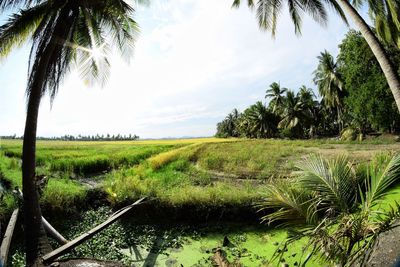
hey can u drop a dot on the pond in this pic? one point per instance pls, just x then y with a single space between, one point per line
169 245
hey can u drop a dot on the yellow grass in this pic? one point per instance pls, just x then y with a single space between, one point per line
7 142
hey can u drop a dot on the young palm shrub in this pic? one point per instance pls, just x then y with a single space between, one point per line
336 207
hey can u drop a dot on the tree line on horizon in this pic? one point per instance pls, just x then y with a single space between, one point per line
353 99
79 137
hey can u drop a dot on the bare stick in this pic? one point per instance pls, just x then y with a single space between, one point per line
5 245
53 232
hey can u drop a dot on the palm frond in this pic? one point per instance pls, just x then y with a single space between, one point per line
384 173
332 181
66 32
288 206
19 28
14 4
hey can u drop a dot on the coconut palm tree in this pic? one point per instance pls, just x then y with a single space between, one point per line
268 12
263 122
337 205
306 96
63 34
275 92
328 80
231 123
330 85
294 114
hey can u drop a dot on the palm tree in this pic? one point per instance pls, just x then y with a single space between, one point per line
330 85
337 205
293 114
263 123
268 13
231 123
311 106
306 96
62 32
275 92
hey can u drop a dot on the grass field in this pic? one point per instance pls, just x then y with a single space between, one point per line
204 171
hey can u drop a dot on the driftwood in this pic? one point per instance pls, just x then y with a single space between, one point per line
5 244
53 232
84 237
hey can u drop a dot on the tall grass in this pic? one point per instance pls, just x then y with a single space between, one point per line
173 179
86 158
63 194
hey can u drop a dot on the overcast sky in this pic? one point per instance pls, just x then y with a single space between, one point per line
194 62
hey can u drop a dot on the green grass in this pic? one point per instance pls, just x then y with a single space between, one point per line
86 158
10 170
63 194
264 159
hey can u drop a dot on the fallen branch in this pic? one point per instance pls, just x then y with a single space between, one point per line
84 237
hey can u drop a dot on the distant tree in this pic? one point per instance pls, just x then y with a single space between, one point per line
294 115
228 127
307 97
276 94
262 123
311 108
330 85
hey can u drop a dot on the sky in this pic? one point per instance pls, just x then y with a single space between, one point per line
194 62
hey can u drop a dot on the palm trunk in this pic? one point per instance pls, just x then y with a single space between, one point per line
388 69
34 233
35 236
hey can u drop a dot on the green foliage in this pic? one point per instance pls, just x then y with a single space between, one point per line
332 181
292 114
257 121
276 93
354 94
291 204
336 205
348 134
229 126
369 102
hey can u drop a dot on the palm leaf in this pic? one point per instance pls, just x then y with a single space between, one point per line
19 28
332 181
288 206
384 173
